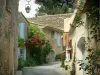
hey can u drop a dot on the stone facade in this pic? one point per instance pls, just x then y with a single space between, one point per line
49 36
79 36
78 45
8 36
23 33
49 24
22 19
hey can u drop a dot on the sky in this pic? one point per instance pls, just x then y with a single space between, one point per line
21 8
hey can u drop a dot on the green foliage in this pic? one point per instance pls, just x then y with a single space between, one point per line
40 52
81 4
47 47
64 9
77 20
29 62
94 26
34 30
26 63
54 10
93 60
63 57
21 42
58 57
20 63
53 6
37 45
93 29
73 66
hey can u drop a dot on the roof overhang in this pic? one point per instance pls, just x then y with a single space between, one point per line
69 21
20 13
54 29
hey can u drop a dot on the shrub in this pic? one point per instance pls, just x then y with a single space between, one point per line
37 46
62 60
58 56
20 42
26 63
29 62
20 63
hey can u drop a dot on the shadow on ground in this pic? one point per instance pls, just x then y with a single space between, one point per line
40 71
47 69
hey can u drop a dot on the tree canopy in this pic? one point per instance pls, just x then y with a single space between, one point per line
54 6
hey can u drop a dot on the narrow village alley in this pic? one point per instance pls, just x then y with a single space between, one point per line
50 69
49 37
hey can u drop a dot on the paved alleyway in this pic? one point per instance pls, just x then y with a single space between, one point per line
50 69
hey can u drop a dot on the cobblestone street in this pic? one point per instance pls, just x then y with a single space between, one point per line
50 69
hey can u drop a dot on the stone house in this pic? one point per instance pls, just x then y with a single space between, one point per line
23 33
8 36
67 42
78 36
52 27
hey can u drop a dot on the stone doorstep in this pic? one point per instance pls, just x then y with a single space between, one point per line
18 73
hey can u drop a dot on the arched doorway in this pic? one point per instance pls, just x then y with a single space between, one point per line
81 46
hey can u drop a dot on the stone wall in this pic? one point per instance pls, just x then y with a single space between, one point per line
8 36
53 42
4 41
22 19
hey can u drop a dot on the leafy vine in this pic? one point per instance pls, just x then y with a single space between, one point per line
93 31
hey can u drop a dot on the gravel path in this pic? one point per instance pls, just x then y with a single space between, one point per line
50 69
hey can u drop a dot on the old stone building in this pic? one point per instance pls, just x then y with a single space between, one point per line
23 33
8 36
52 26
81 36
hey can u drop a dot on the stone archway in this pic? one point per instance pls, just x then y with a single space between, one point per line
81 46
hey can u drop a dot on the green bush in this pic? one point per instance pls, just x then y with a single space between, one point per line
62 60
20 63
20 42
37 45
26 63
29 62
58 57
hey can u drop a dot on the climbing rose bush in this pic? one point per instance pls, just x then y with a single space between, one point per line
34 40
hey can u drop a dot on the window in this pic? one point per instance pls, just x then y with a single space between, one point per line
21 52
22 30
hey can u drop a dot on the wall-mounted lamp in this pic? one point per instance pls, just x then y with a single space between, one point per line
28 7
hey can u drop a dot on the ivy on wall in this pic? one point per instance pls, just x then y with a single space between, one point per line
93 31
